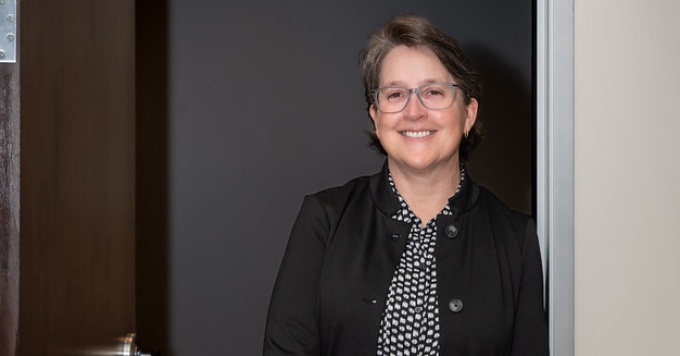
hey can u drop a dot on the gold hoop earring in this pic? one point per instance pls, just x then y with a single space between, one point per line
466 134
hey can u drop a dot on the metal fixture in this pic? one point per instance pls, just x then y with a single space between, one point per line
8 30
130 346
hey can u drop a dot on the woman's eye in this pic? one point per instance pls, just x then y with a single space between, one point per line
434 92
395 95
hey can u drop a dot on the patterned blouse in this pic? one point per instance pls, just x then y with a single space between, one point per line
410 321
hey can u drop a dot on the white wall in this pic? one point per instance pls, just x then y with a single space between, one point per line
627 179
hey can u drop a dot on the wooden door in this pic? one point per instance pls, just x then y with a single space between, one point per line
76 94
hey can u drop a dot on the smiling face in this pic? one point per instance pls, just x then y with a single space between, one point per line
418 139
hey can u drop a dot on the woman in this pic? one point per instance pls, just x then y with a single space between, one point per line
416 259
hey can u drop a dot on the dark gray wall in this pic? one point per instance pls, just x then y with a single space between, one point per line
266 105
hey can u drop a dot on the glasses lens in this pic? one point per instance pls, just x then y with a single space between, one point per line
392 99
436 96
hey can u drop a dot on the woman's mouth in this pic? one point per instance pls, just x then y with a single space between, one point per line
417 133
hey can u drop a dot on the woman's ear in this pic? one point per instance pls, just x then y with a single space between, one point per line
374 116
471 114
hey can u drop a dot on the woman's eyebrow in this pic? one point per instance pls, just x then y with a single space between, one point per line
398 83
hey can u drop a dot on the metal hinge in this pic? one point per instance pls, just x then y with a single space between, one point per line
8 31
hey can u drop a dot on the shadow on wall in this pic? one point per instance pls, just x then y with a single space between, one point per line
151 175
504 161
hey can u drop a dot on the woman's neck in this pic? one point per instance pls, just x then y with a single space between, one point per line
426 192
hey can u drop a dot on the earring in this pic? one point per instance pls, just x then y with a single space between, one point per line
465 134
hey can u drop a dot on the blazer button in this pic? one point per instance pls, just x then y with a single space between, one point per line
456 305
451 231
394 235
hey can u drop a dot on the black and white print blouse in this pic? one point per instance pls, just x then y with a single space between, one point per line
410 321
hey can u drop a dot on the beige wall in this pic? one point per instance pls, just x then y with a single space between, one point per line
627 177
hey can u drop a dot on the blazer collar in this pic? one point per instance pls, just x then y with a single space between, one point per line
388 204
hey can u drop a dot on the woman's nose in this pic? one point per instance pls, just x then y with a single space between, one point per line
414 108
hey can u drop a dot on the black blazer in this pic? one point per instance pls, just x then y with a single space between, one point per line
344 248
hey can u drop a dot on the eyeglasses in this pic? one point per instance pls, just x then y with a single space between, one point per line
434 96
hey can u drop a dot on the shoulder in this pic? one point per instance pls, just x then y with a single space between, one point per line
514 223
338 196
490 201
323 211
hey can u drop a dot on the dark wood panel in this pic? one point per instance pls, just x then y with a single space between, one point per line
78 176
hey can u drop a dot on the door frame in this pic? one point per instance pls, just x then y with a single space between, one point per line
10 197
555 165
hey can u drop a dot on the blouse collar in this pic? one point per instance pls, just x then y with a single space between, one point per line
388 204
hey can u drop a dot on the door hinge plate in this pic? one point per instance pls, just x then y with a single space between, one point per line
8 31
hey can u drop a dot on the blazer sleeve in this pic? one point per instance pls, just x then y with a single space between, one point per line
292 322
531 329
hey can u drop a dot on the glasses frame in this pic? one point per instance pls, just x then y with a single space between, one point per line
411 91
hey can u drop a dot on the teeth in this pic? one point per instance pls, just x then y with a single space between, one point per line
417 133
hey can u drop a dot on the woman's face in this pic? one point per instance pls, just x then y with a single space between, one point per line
419 139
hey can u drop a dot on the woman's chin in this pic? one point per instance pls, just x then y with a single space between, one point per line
420 164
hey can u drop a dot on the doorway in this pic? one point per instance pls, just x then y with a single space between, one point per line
230 161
